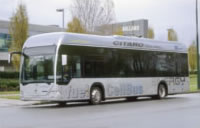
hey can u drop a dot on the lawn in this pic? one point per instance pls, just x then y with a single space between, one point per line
9 92
10 95
17 97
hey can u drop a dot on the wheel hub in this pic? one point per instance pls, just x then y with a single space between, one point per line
96 96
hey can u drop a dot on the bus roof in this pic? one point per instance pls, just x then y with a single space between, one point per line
121 42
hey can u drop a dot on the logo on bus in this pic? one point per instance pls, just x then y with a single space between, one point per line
125 90
129 44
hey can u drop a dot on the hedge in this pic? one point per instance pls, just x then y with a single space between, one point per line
9 75
9 81
193 72
9 84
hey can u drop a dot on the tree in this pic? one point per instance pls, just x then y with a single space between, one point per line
18 30
150 33
192 54
93 13
75 26
172 35
118 31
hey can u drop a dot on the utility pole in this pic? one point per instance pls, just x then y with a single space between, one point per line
197 40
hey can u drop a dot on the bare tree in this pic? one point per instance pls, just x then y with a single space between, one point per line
93 13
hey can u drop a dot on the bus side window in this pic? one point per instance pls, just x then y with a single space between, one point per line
76 67
88 68
181 65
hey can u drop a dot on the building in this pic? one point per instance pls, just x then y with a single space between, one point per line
5 40
137 28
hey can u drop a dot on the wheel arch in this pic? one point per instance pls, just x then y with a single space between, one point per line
163 83
101 86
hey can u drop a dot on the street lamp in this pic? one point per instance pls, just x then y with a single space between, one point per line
63 15
197 40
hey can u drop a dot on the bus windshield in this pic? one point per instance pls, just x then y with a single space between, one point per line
38 69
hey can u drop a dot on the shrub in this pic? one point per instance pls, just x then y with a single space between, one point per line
9 85
9 75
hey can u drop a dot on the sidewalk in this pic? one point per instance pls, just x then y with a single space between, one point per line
9 102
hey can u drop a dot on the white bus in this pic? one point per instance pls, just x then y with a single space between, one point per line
64 67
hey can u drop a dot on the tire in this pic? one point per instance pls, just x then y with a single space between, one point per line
162 91
95 96
131 98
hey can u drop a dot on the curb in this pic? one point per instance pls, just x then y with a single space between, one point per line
11 103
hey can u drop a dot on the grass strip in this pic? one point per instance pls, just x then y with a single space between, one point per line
11 97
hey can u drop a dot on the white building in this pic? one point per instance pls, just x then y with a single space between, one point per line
137 28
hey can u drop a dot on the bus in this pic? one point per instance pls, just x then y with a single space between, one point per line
66 67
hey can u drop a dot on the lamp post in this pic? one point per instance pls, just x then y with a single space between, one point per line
63 16
197 40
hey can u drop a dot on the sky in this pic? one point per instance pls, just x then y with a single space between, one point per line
161 14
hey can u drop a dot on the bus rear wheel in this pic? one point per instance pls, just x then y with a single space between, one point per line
162 91
95 96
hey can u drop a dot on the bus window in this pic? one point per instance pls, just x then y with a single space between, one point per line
181 65
76 67
93 66
63 71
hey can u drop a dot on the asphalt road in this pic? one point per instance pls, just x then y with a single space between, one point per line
178 111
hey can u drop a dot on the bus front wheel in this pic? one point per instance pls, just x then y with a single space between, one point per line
95 96
161 92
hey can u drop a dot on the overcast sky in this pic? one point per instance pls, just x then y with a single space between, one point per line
162 14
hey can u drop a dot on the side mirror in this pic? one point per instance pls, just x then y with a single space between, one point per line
10 55
64 60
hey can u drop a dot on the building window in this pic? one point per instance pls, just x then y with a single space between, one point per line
5 41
